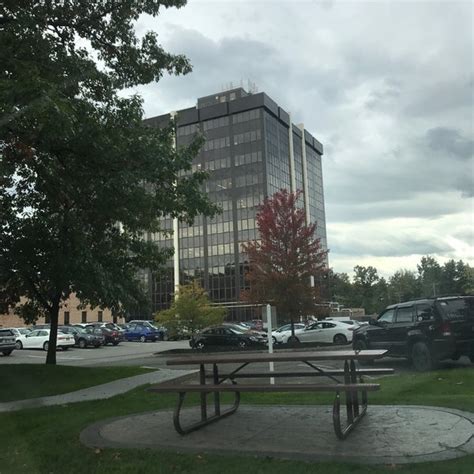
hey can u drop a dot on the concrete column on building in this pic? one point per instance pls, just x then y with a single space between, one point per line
175 230
292 158
305 183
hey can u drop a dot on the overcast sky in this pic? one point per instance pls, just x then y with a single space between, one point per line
386 86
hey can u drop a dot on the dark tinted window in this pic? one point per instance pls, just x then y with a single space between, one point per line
388 316
424 312
5 332
460 308
405 315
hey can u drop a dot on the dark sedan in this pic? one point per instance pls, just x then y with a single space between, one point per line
224 336
84 337
109 332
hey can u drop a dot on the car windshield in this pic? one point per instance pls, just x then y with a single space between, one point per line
237 329
23 331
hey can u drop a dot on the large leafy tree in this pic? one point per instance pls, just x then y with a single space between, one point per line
82 179
429 271
404 285
284 258
190 311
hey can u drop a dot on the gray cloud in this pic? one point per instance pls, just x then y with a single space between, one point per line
385 86
451 141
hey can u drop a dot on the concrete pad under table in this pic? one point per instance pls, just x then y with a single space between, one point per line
387 434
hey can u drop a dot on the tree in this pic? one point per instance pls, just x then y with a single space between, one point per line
365 279
404 285
429 271
82 178
191 310
284 258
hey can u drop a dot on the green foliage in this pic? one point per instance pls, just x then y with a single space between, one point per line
82 178
191 311
373 293
285 258
404 285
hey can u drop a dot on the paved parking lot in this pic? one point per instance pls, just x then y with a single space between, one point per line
148 355
126 353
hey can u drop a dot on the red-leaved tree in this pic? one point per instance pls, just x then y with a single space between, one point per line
283 260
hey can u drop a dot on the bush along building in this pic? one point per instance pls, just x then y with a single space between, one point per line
252 150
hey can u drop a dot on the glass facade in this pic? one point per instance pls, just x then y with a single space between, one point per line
247 154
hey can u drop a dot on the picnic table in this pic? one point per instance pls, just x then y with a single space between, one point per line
347 381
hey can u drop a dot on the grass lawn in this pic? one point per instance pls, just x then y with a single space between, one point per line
46 440
21 381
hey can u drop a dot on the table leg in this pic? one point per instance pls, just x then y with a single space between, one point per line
349 403
217 400
355 395
202 381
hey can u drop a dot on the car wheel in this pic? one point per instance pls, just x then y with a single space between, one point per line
274 340
18 345
115 343
421 357
340 339
199 345
361 345
242 344
7 353
142 339
45 346
82 344
65 348
293 340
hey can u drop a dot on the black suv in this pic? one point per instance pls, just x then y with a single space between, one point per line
425 331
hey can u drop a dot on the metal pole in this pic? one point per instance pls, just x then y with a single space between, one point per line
270 340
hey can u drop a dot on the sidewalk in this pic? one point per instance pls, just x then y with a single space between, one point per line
98 392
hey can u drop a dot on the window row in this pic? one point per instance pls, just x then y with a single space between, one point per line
248 158
191 231
246 116
216 143
191 252
218 164
216 123
187 129
248 180
224 183
222 249
247 137
219 227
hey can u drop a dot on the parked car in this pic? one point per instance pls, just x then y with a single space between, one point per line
328 332
111 334
281 335
142 332
350 322
162 332
425 331
223 336
7 341
240 328
84 337
39 339
19 334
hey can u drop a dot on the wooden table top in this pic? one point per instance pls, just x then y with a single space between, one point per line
242 357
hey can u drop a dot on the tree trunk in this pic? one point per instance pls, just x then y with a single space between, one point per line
53 319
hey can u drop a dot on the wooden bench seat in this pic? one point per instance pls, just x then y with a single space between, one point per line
326 373
208 388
